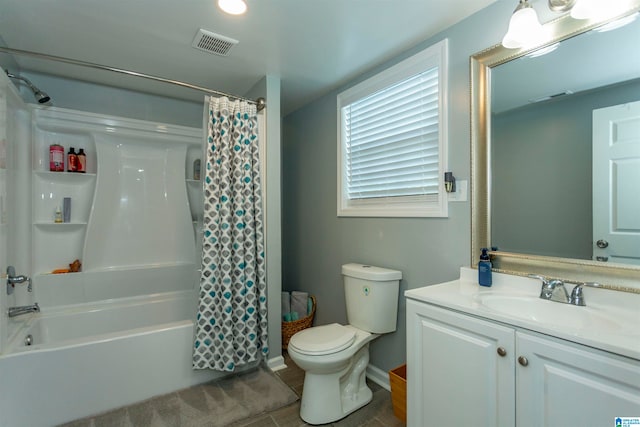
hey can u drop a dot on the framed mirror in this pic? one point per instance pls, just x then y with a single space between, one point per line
534 167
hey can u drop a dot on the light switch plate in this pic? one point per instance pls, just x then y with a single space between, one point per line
460 194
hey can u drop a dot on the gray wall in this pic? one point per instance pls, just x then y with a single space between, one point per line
94 98
541 190
427 250
269 88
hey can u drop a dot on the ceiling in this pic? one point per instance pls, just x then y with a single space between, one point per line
314 46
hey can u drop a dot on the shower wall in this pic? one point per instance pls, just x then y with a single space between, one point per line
14 128
79 95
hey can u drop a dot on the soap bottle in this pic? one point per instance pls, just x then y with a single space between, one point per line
82 161
72 160
484 269
58 216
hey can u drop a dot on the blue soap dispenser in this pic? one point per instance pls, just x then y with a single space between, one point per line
484 269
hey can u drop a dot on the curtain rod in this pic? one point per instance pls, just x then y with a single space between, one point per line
260 102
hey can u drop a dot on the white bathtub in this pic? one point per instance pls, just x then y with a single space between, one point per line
90 358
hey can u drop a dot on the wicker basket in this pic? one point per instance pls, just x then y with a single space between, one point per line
290 328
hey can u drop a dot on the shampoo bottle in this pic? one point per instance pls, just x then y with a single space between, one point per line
196 169
72 160
82 161
484 269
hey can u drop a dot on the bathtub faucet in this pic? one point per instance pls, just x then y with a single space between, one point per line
24 309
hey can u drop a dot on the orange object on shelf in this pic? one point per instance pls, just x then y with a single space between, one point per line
75 266
60 271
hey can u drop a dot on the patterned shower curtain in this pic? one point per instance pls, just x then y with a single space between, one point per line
231 327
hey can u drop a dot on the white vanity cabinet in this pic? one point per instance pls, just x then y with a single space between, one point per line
454 373
566 384
463 370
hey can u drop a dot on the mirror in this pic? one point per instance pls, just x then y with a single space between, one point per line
532 162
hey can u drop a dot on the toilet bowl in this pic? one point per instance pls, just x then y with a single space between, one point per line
334 381
335 357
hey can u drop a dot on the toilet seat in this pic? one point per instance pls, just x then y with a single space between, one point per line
320 340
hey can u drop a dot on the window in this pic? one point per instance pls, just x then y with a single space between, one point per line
392 140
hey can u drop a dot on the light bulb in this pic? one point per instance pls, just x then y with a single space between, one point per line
524 29
585 9
233 7
598 9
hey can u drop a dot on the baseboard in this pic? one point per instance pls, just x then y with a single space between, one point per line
379 377
276 363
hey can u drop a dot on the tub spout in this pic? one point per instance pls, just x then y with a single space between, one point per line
24 309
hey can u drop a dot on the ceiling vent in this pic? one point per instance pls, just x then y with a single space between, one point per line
213 43
548 97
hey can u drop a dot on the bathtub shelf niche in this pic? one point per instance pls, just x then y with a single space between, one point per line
50 188
55 245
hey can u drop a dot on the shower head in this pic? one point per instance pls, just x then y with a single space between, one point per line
40 96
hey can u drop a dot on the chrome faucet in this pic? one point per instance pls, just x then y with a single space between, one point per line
12 280
577 297
24 309
552 289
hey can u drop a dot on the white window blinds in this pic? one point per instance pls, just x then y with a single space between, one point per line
392 140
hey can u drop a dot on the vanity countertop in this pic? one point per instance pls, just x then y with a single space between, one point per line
610 321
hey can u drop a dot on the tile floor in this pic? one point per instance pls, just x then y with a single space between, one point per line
378 413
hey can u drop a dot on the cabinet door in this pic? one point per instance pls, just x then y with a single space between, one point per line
571 385
455 375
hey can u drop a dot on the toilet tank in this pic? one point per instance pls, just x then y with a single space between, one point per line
372 297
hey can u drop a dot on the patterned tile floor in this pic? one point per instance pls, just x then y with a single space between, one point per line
378 413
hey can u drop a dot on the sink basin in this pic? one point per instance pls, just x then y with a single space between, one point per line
550 312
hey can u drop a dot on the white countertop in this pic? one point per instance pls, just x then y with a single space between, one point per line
610 321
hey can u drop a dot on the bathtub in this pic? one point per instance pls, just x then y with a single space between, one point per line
89 358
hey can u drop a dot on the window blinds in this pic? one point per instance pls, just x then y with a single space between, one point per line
392 140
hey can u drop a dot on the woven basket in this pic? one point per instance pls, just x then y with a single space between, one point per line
290 328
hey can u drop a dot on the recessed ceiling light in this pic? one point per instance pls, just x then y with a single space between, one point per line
233 7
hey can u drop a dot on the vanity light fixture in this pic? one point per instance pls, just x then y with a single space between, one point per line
524 27
561 5
585 9
525 30
233 7
597 9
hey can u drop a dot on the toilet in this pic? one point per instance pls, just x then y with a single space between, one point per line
335 357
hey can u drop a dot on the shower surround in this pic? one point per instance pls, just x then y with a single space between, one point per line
121 330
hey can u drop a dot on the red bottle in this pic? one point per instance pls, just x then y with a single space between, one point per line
72 160
56 158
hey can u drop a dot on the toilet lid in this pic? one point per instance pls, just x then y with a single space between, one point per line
325 339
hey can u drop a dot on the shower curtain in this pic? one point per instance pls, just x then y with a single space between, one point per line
231 326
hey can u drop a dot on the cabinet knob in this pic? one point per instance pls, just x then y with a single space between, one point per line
502 352
523 361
